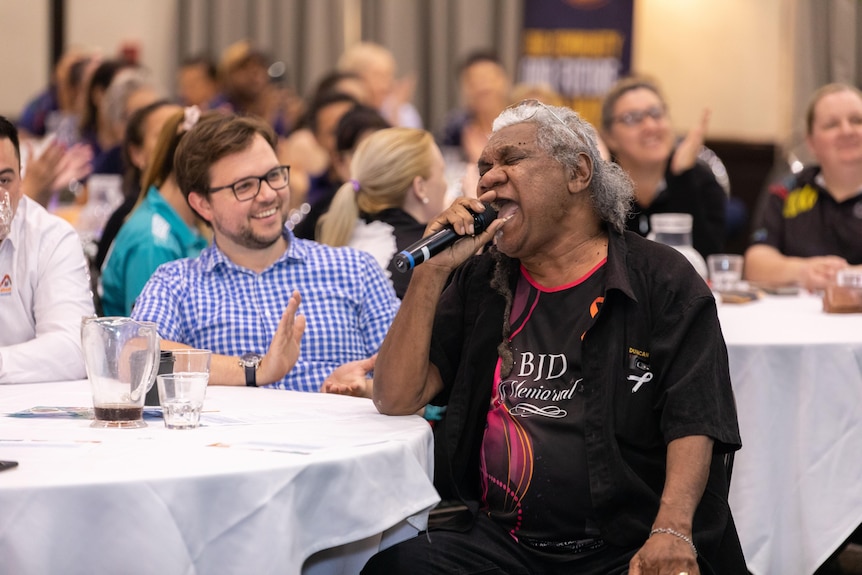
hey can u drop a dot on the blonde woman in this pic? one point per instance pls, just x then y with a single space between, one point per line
396 186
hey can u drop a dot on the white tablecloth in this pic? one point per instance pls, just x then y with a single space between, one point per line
796 490
313 472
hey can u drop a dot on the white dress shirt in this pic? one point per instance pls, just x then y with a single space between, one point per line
44 292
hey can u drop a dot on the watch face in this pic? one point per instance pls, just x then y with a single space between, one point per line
250 359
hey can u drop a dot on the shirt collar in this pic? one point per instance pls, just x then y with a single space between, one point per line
616 274
820 185
616 271
296 253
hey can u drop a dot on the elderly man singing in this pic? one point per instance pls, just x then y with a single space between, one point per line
586 378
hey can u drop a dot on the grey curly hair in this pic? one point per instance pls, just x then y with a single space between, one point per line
564 135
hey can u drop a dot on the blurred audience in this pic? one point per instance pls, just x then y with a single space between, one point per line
342 82
322 119
252 87
392 97
197 83
809 226
129 90
359 122
139 143
47 112
484 86
102 194
160 229
94 128
301 149
397 185
44 276
354 125
53 169
667 174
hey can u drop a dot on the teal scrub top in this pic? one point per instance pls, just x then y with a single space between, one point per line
154 234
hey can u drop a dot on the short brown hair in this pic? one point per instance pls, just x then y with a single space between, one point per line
616 92
212 139
819 94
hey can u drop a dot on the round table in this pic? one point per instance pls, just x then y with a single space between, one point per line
269 479
797 377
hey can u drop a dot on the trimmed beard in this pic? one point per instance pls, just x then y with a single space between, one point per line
247 239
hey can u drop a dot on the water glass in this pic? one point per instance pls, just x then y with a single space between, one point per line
725 271
182 398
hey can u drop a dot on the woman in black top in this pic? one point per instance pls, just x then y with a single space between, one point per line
668 177
397 185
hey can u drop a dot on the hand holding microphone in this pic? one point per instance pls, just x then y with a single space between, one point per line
431 245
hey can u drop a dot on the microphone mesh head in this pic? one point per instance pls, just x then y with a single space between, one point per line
481 221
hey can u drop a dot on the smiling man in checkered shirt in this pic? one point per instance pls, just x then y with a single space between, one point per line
274 309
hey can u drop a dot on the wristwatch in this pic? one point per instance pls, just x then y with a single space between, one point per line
250 362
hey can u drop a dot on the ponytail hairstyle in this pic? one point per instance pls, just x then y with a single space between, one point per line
383 170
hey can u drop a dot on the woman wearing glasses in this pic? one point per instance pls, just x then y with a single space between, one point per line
667 175
161 228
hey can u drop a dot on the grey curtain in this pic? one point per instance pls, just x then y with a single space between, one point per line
428 37
827 49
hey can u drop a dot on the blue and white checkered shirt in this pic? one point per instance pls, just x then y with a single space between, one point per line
210 302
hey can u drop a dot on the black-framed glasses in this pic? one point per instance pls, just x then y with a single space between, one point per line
635 117
248 188
538 104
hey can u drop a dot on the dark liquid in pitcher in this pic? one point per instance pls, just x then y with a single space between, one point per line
119 413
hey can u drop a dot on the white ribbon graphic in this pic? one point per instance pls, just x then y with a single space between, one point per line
640 379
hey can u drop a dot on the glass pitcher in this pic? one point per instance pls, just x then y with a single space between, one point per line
122 356
675 230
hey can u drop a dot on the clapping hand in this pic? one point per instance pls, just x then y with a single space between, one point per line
284 349
687 150
54 169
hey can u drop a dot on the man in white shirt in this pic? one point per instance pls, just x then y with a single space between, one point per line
44 283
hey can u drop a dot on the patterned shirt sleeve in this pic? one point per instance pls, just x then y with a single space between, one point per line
380 304
161 298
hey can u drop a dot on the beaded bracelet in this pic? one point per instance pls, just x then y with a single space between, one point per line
675 533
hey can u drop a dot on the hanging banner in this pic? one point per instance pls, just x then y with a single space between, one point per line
578 47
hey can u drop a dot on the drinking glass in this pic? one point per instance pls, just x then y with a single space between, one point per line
725 271
181 393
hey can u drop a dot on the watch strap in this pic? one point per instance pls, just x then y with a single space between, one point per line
250 362
250 375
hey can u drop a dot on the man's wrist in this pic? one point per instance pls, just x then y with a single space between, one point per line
250 363
675 533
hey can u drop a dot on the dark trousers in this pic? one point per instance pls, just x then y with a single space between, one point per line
486 549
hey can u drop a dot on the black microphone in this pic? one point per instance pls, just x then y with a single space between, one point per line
430 246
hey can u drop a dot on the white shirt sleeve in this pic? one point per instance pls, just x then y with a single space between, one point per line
50 288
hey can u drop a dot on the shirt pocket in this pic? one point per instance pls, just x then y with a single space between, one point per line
636 392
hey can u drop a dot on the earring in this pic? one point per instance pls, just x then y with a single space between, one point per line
425 199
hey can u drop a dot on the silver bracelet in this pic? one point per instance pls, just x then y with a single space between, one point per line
675 533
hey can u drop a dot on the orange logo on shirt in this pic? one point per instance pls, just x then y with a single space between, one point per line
596 305
6 285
